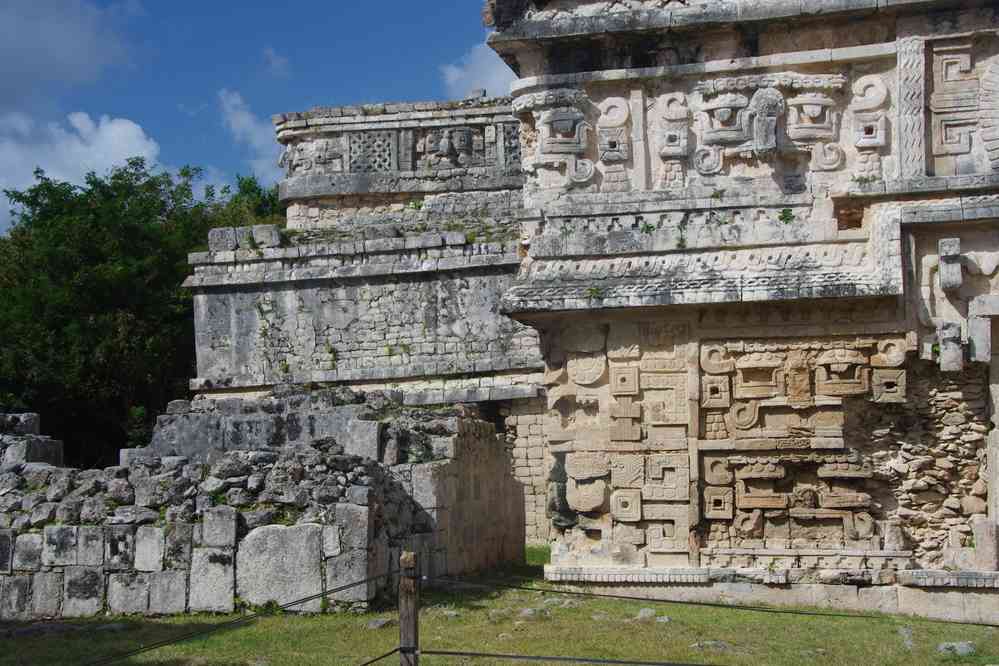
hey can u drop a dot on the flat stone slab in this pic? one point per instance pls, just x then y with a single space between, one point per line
282 564
83 592
212 569
167 592
128 593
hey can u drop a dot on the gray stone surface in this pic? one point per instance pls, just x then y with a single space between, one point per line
28 552
282 564
213 569
119 551
46 597
178 542
90 546
219 527
33 449
83 592
128 593
15 598
167 592
150 543
59 546
6 551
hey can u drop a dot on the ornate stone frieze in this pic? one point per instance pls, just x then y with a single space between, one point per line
746 437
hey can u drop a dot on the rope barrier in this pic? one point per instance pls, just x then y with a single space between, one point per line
233 623
571 660
384 656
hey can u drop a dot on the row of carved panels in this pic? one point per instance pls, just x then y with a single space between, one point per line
757 117
382 151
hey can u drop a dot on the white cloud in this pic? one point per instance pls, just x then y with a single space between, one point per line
255 133
277 64
44 42
66 151
480 68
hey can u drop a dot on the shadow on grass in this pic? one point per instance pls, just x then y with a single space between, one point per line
85 642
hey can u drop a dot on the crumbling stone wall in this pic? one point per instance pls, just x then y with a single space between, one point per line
929 454
166 534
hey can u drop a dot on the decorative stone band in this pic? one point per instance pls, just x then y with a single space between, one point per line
626 575
340 261
443 368
504 15
416 148
925 184
964 579
425 182
837 55
970 208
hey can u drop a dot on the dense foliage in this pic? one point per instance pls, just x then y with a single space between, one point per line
97 333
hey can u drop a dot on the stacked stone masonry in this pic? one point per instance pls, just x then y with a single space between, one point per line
723 274
258 522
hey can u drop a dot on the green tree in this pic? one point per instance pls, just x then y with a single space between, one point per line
97 331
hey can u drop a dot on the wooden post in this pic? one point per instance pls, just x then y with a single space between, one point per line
409 610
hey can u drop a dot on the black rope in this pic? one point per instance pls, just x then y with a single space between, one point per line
384 656
571 660
487 584
233 623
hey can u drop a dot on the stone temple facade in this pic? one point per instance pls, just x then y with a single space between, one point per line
723 271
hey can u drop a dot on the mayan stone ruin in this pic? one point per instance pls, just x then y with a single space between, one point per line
706 305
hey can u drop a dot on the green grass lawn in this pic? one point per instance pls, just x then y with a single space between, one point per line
493 622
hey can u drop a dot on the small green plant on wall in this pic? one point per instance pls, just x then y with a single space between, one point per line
786 216
594 292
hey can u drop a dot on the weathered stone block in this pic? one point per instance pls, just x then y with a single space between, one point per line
90 546
190 435
342 425
986 534
46 596
15 598
34 449
6 551
266 235
20 424
218 530
150 543
119 552
355 523
222 239
28 552
350 567
128 593
213 571
167 592
83 592
129 457
179 540
59 547
282 564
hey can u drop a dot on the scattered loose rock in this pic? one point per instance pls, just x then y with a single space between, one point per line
958 649
380 623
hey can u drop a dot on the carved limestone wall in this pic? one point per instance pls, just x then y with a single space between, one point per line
677 449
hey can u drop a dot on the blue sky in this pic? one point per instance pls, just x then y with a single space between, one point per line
85 84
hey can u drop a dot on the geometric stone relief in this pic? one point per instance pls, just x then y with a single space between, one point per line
774 466
888 385
719 503
870 124
626 505
667 477
672 533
